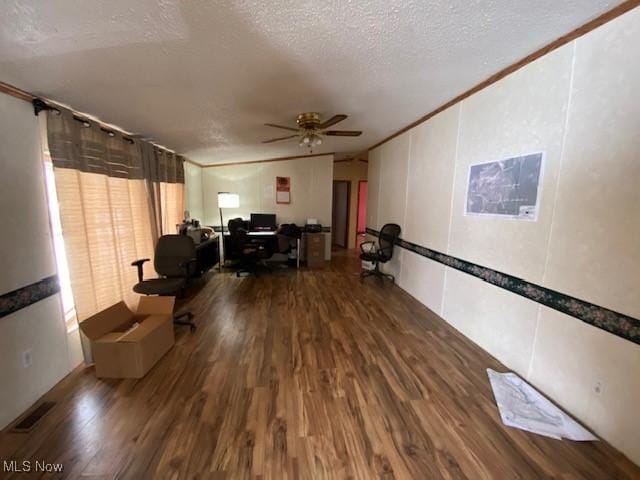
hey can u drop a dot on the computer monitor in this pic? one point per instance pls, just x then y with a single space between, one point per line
261 222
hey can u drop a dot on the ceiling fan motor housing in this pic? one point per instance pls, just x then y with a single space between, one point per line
309 120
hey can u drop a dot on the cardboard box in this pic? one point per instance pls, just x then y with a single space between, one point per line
123 350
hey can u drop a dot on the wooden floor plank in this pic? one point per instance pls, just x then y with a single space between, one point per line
302 374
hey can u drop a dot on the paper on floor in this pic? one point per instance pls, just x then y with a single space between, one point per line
521 406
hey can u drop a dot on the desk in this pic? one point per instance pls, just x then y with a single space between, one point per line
259 237
269 237
207 255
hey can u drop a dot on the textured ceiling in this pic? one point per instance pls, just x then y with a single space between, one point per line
201 77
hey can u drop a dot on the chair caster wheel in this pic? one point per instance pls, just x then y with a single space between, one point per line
193 328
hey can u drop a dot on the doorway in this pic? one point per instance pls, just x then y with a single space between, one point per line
340 213
361 212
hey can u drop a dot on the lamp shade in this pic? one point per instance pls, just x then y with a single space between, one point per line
228 200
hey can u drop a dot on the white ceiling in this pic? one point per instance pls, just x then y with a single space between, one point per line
202 77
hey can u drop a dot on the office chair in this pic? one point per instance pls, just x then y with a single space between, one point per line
175 261
381 253
243 249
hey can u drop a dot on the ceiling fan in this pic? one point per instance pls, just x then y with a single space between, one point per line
310 128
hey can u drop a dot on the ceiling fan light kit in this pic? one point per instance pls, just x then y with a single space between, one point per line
310 140
310 127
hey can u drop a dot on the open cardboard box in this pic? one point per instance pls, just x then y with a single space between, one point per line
123 350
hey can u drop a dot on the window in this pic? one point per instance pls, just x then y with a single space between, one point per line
66 295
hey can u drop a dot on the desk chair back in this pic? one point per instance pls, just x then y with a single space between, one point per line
237 238
172 253
387 239
235 225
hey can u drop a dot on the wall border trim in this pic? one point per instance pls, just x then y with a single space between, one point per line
603 318
25 296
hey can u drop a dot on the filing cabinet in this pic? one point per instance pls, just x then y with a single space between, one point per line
314 249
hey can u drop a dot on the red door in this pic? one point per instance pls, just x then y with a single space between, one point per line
362 206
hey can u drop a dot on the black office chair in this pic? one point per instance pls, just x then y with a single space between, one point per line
175 261
380 253
246 251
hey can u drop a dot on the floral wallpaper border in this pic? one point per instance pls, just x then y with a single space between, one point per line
25 296
613 322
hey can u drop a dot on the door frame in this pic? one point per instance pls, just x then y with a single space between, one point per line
346 230
360 182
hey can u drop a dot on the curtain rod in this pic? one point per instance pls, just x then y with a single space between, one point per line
42 104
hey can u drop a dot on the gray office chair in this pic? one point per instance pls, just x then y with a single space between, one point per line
175 261
381 253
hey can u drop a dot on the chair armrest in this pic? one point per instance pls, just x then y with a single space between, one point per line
372 243
139 263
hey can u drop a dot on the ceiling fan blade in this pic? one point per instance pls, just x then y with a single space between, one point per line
342 133
281 126
279 138
333 120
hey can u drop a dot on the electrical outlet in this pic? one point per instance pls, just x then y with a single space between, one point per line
27 358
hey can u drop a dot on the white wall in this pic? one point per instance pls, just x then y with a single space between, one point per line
311 188
578 104
193 190
27 257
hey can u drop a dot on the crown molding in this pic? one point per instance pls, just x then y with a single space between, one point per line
16 92
193 163
557 43
266 160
